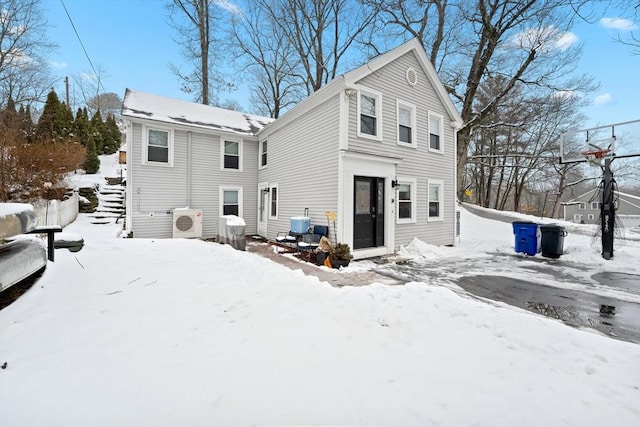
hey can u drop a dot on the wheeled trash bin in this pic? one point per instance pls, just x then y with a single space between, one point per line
527 237
553 235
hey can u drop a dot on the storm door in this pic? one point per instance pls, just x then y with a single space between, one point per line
368 212
263 208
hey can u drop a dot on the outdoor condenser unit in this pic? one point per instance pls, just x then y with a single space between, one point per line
187 223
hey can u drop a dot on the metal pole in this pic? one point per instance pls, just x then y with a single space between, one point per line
607 211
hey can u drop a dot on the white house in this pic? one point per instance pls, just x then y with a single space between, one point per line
377 146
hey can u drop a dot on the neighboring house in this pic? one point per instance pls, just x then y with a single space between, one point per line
376 145
585 209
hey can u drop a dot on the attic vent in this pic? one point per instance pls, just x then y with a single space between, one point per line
184 223
412 76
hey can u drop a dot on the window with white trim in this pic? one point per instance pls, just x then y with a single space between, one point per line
595 205
406 123
231 155
263 154
158 146
231 201
435 132
273 201
406 196
591 217
370 115
582 206
434 200
577 218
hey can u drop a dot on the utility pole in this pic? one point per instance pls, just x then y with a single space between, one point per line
607 211
66 84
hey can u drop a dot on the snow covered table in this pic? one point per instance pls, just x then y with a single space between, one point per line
16 218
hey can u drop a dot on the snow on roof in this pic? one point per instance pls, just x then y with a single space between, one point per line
154 107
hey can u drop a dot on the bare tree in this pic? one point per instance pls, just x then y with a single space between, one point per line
321 32
24 74
89 86
109 104
271 61
196 23
524 41
629 25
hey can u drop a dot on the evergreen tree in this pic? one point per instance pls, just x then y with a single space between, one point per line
112 138
8 116
51 125
97 131
26 125
66 121
92 162
81 126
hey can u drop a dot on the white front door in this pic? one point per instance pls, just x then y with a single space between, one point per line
263 208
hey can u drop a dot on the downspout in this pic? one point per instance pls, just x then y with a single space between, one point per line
189 169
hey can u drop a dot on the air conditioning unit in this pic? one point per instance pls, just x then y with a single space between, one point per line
187 223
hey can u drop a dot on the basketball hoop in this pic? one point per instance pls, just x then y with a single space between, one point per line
595 156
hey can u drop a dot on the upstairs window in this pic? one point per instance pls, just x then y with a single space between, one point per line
369 115
263 154
595 205
232 155
406 123
435 132
582 206
158 147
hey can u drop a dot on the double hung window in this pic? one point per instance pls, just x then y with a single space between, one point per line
406 196
435 132
158 147
231 201
435 198
406 124
370 115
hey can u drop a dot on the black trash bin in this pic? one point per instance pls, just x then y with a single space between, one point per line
552 244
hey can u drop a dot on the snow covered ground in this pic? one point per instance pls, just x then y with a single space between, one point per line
135 332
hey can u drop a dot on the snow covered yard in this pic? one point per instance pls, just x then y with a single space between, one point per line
133 332
184 332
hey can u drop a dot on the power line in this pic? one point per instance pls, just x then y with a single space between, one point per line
82 44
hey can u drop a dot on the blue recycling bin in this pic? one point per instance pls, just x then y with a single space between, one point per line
527 237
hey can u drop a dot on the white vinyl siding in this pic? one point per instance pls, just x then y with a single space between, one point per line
416 162
305 169
159 190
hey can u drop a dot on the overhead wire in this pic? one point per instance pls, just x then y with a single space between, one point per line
82 45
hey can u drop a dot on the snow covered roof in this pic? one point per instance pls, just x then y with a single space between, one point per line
169 110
